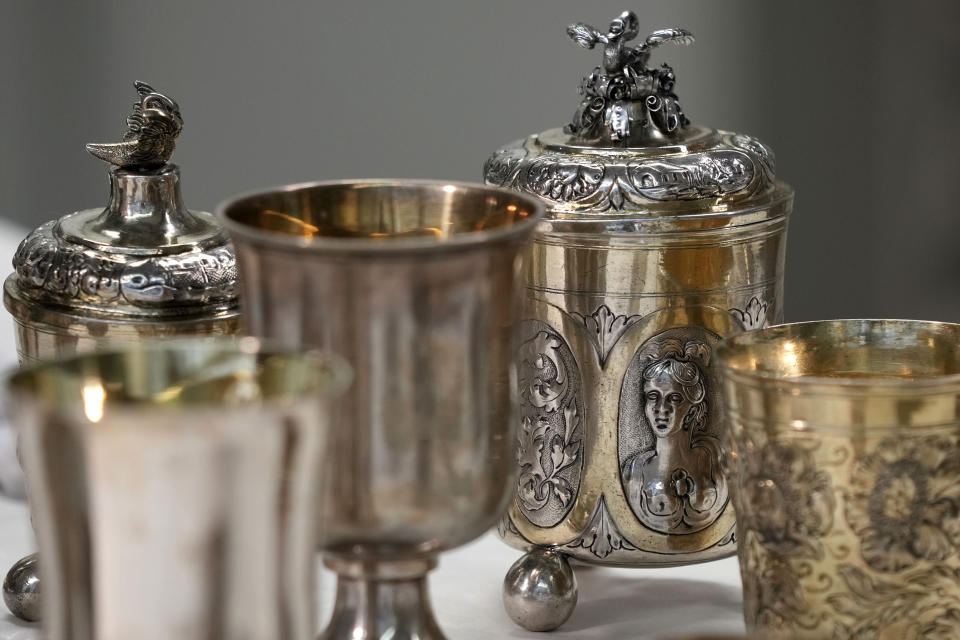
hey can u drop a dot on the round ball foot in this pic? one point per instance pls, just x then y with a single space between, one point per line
540 590
21 589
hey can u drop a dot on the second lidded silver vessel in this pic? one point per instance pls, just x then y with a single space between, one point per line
143 267
661 238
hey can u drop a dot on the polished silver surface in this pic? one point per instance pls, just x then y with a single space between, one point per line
540 590
21 588
152 130
143 257
172 488
660 238
142 267
707 179
417 284
381 600
624 100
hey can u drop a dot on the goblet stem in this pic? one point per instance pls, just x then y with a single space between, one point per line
377 600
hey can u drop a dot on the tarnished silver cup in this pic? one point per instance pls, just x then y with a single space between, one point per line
418 285
171 489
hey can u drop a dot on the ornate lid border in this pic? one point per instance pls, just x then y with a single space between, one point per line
716 170
52 271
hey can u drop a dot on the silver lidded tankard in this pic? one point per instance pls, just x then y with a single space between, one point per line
661 237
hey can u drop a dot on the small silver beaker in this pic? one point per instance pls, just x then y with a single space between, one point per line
172 488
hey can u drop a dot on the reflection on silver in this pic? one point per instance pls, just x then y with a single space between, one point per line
417 284
142 267
171 488
21 589
540 590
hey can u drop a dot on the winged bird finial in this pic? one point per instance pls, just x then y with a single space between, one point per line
624 99
152 129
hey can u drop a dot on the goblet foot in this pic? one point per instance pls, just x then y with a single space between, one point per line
540 590
377 600
21 588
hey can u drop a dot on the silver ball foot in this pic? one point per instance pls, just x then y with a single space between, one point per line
540 590
21 589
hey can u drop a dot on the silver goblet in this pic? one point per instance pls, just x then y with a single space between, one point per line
418 285
172 489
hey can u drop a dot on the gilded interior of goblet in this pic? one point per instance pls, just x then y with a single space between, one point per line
843 450
425 279
417 212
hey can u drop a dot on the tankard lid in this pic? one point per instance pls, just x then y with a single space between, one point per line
145 256
630 152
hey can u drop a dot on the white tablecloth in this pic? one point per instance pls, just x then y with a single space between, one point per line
614 603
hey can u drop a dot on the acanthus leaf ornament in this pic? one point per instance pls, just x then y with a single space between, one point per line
753 315
538 482
550 436
601 536
604 329
502 168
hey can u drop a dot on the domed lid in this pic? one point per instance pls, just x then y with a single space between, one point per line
143 257
631 153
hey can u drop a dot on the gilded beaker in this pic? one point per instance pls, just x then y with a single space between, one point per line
843 457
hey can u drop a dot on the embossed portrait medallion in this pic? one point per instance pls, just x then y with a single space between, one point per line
550 436
668 442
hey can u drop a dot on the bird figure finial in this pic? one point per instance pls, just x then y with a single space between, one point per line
151 132
624 99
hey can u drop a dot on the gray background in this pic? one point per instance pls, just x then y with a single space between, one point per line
858 99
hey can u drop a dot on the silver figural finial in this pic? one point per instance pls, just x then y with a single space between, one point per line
625 101
152 130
